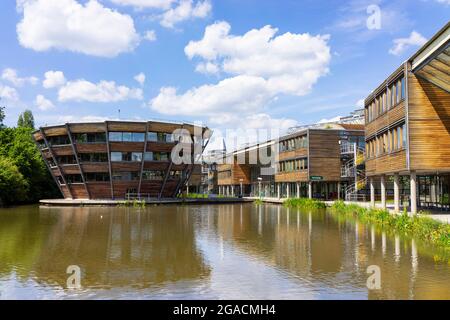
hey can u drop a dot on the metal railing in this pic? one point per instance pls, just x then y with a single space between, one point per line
138 196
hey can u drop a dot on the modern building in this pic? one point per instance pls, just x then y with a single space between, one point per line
319 161
316 161
121 159
407 124
247 171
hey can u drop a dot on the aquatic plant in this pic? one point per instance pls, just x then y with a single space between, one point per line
423 228
258 201
304 203
132 203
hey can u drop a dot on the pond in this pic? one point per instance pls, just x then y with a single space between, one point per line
233 251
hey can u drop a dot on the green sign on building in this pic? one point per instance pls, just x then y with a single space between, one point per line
316 178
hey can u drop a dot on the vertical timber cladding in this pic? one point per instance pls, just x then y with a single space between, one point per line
429 125
324 154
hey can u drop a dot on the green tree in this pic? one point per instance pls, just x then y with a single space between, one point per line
23 152
13 186
2 117
26 119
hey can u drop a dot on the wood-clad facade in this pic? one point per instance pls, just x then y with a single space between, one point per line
310 161
306 163
408 127
120 159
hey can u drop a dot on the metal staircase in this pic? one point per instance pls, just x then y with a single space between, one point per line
350 170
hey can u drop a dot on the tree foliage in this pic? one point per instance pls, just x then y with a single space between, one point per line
19 151
2 116
26 120
13 186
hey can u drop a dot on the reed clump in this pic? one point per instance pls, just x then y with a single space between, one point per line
423 228
304 203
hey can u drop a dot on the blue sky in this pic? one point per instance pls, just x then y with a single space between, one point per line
261 64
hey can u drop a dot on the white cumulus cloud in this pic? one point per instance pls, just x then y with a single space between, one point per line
88 28
262 66
53 79
402 44
11 76
42 103
142 4
185 10
150 35
140 78
291 63
8 93
104 91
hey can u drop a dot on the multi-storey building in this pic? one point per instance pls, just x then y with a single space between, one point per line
118 159
316 161
319 161
407 124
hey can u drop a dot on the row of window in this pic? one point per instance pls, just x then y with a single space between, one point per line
90 137
294 143
58 140
147 175
137 156
293 165
389 141
387 99
140 137
113 136
115 157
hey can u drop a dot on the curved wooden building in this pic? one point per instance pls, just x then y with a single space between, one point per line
120 159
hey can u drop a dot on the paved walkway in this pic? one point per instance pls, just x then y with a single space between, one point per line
435 214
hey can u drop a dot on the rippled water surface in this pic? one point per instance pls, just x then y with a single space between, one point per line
238 251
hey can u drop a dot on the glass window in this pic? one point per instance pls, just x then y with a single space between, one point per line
100 176
74 178
148 156
152 136
125 176
152 175
399 137
404 136
403 88
127 136
136 156
138 137
115 136
116 156
392 95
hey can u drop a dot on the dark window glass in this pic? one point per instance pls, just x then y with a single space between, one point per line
58 140
73 178
93 157
152 175
97 176
125 176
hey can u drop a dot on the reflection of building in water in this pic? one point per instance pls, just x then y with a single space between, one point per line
283 238
120 248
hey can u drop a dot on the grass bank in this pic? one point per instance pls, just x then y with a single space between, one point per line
304 203
422 228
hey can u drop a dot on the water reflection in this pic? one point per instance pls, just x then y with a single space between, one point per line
223 251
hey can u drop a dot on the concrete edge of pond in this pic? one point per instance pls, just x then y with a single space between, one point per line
108 203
